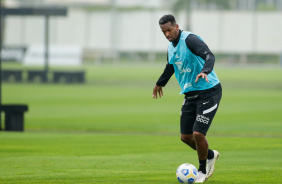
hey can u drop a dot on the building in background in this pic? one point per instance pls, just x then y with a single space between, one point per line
111 29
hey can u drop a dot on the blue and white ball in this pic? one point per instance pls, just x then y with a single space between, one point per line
186 173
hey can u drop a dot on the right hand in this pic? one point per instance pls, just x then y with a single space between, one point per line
157 90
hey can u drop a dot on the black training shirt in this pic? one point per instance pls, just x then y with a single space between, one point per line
197 47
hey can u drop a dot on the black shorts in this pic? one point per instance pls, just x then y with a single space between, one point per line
198 112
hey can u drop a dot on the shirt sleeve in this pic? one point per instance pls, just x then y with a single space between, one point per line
167 73
199 48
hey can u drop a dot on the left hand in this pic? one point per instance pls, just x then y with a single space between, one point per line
202 75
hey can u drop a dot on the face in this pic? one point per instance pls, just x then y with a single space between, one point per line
170 31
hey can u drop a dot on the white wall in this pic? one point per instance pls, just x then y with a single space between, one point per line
239 32
23 30
223 31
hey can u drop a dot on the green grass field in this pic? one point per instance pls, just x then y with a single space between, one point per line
110 130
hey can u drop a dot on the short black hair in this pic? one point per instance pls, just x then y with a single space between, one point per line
167 18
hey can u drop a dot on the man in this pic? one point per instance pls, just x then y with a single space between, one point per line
190 59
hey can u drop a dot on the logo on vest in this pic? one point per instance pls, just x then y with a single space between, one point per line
179 66
203 119
187 85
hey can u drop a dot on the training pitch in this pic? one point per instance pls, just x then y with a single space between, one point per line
110 130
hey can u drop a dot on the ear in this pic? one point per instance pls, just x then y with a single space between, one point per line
177 27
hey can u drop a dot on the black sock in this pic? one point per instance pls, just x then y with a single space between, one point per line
202 166
210 154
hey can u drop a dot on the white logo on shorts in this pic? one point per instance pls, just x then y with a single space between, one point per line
203 119
210 109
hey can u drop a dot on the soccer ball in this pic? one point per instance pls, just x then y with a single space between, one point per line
186 173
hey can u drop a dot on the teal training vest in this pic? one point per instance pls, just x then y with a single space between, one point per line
187 66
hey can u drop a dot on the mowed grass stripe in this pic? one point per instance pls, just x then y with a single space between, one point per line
105 158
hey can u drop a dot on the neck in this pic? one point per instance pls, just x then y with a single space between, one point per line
175 42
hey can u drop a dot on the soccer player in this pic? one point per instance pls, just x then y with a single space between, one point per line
190 59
